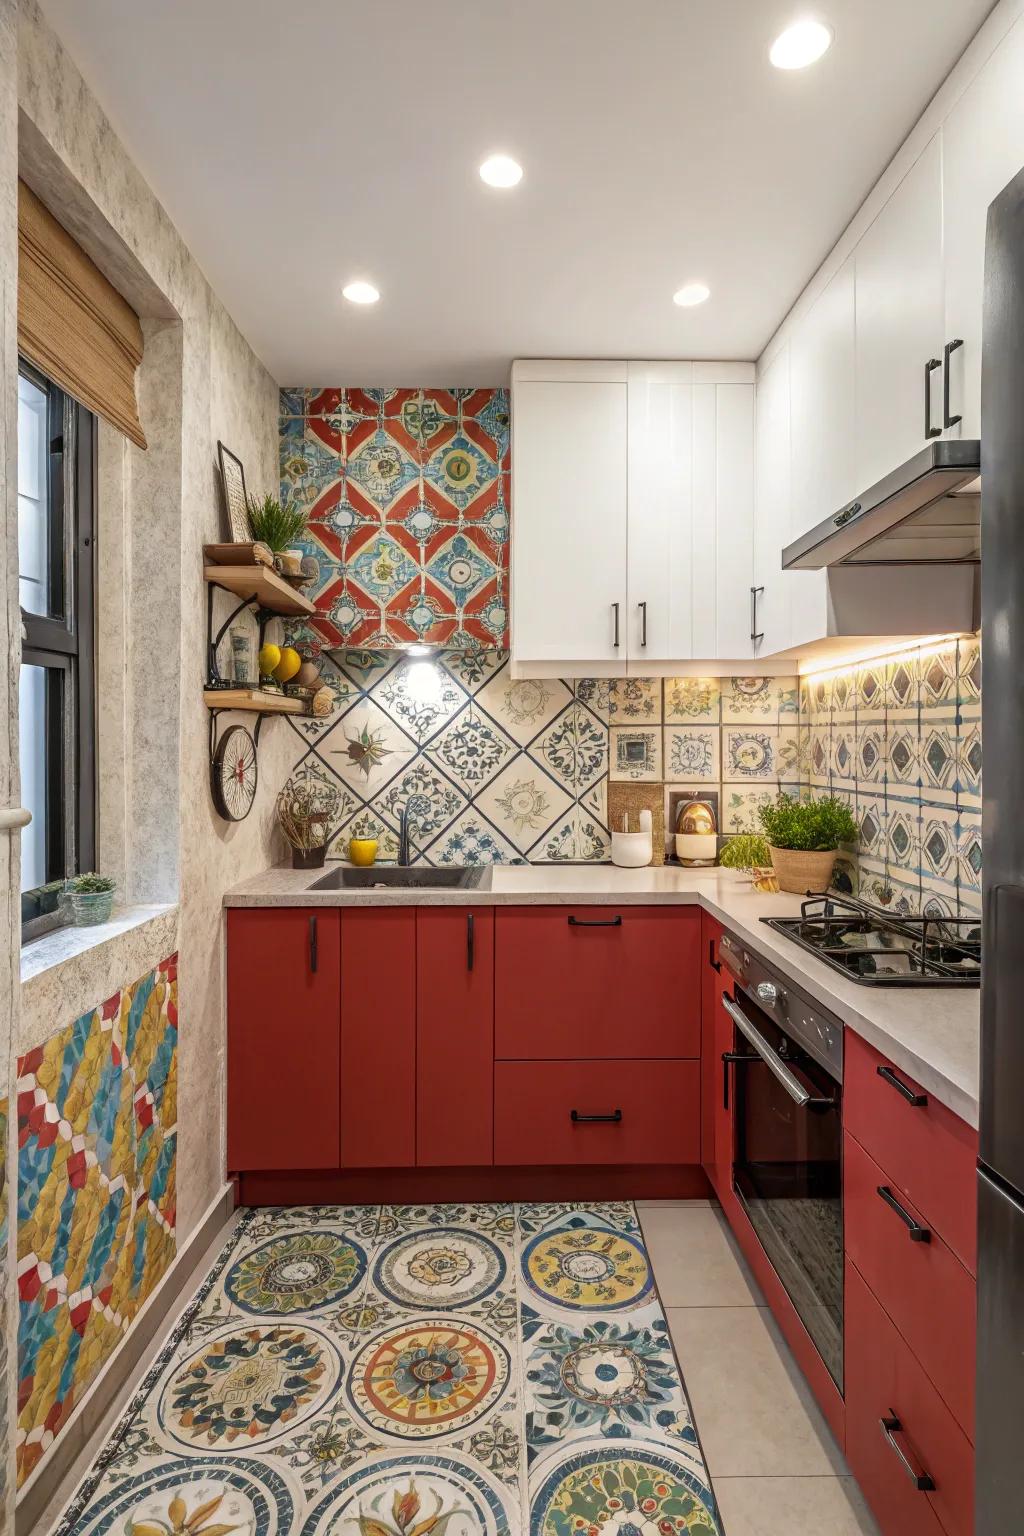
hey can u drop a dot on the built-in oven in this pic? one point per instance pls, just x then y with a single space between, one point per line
783 1081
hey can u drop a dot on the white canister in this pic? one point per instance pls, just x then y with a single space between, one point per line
695 849
633 850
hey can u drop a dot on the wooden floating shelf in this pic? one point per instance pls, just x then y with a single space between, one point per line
254 699
238 554
269 589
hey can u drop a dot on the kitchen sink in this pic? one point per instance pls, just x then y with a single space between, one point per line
456 878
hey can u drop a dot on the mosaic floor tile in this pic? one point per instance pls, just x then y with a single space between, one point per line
486 1370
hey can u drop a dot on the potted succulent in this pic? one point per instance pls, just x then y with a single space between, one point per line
92 898
803 837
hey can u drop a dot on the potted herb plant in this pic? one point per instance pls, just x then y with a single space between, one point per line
92 899
803 837
276 526
747 850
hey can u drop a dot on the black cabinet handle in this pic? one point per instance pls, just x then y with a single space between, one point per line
643 623
469 941
716 965
755 633
918 1234
312 944
595 922
918 1100
614 1118
891 1427
929 368
615 611
951 346
727 1057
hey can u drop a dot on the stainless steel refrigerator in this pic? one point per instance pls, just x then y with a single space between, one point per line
999 1436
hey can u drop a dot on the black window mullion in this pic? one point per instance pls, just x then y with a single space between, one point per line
84 554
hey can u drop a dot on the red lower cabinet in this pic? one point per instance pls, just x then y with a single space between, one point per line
454 1037
710 992
912 1460
283 1035
597 1112
378 1038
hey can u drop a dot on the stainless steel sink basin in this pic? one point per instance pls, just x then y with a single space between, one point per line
391 875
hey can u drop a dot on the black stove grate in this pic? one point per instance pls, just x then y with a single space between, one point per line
877 948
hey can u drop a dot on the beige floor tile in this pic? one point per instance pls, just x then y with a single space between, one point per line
754 1411
660 1205
696 1263
800 1506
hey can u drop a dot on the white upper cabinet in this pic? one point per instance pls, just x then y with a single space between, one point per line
823 425
772 500
899 323
660 512
569 477
982 149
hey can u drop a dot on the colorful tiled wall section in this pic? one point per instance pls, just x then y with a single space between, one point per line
498 770
407 492
900 740
97 1119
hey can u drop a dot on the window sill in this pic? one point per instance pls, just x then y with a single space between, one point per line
62 944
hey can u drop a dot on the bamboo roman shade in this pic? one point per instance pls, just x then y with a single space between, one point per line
72 323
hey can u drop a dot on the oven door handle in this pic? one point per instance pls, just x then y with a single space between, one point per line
772 1060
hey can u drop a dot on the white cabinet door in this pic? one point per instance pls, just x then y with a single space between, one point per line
982 149
659 625
772 504
823 405
733 525
569 513
899 321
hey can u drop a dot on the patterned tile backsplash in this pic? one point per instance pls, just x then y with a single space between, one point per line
900 739
407 492
496 770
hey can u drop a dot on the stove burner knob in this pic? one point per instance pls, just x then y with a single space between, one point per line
767 992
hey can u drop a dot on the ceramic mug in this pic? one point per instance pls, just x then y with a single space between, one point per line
362 851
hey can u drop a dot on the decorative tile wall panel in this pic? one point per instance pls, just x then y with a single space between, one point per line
407 492
97 1115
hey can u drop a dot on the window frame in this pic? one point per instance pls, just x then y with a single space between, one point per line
65 647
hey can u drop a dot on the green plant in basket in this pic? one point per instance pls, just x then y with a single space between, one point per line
276 526
91 898
92 884
745 851
808 825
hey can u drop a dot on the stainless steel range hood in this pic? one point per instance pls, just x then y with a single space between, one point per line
926 513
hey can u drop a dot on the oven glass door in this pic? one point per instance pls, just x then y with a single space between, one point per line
788 1174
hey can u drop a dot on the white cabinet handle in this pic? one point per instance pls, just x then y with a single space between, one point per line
14 818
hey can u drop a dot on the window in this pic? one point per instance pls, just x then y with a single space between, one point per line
56 501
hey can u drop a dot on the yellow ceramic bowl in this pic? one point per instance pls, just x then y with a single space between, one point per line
362 851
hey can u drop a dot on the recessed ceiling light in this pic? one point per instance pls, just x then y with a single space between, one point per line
501 171
691 294
360 293
801 44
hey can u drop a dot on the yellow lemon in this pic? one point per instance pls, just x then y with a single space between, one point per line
270 655
362 851
289 663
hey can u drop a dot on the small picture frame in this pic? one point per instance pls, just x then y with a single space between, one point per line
236 501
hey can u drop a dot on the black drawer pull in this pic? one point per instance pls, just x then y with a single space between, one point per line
470 941
614 1118
312 944
918 1234
929 368
891 1427
595 922
918 1100
951 346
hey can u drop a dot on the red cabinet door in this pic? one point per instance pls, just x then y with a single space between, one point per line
378 1037
585 983
454 1037
921 1283
710 1062
724 1090
884 1382
283 1027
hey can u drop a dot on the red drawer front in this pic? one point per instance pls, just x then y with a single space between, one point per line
923 1286
882 1379
925 1151
597 982
659 1103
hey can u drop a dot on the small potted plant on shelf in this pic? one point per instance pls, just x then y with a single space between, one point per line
748 854
92 899
278 527
307 812
803 838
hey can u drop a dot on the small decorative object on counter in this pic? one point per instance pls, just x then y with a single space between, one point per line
307 812
91 899
276 526
633 850
362 851
696 835
803 840
241 656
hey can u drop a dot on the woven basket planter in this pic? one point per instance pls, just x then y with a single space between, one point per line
801 870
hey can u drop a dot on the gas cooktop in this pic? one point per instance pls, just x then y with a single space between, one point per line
885 949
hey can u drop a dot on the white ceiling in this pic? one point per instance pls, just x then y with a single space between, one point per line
300 143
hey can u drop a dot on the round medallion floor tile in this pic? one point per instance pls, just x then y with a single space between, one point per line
445 1267
195 1496
588 1268
433 1377
398 1494
616 1487
296 1272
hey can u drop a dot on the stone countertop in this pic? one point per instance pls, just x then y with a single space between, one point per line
931 1033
